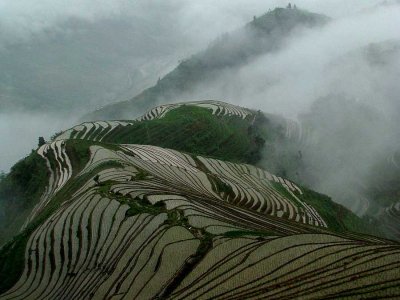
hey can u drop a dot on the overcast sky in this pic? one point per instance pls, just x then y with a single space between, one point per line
197 20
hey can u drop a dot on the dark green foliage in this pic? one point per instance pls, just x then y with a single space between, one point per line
221 187
2 175
176 218
26 180
41 141
338 218
195 130
384 190
139 206
268 133
55 135
12 260
136 205
79 153
141 175
20 190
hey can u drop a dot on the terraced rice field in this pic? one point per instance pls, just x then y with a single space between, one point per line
217 107
299 134
390 216
60 168
201 179
311 266
145 222
91 249
93 131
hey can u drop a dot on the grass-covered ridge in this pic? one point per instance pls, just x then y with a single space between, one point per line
195 130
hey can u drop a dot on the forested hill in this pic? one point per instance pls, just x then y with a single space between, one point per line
264 34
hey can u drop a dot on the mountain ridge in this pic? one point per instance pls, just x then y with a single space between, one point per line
262 35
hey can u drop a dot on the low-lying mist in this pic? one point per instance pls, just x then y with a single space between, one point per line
19 133
340 83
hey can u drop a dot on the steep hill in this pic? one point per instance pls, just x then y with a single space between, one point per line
264 34
136 221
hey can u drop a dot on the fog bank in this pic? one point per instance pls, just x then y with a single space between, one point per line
19 134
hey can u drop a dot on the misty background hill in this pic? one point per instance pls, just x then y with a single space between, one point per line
224 56
345 104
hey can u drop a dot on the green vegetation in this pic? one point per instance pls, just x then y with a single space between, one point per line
12 260
339 218
41 141
139 205
141 175
286 19
20 190
384 190
136 205
55 135
177 218
219 186
197 131
79 153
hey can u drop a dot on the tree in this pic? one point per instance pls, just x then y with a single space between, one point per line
289 5
2 175
41 141
295 6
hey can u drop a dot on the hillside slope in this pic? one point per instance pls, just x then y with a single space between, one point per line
264 34
133 221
